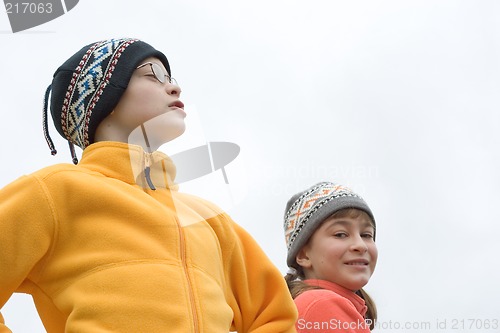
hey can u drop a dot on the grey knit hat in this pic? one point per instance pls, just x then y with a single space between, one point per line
86 87
305 211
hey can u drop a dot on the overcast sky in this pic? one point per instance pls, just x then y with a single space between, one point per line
397 99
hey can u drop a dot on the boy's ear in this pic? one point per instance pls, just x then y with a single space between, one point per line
302 258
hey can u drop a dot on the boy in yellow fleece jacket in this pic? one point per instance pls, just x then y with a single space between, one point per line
109 244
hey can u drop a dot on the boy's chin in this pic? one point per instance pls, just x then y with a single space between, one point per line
153 135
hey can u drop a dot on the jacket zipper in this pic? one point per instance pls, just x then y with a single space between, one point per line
186 273
147 170
182 243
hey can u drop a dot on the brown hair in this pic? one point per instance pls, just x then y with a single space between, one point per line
297 286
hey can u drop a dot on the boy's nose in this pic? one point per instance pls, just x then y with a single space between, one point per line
173 89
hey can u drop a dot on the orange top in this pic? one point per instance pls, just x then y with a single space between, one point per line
100 251
331 309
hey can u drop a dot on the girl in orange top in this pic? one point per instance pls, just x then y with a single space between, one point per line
330 236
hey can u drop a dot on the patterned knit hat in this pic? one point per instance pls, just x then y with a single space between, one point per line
87 87
305 212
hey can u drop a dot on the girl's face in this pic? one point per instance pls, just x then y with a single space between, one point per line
148 102
342 250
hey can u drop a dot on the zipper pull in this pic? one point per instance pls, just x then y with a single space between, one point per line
147 172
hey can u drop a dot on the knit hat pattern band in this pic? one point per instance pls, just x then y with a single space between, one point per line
306 210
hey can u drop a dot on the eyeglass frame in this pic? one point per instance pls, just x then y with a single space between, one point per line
157 76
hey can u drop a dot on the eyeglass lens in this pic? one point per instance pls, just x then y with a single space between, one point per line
160 74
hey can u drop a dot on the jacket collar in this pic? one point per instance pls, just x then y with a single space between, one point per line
356 300
128 163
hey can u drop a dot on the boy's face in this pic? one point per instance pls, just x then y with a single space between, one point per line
148 102
342 250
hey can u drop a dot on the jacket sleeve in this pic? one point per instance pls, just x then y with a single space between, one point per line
26 231
258 293
320 312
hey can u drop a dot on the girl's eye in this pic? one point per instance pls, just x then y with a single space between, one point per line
367 235
340 235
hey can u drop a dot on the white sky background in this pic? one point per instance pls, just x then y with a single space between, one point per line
398 99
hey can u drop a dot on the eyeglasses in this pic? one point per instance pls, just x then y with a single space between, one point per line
160 74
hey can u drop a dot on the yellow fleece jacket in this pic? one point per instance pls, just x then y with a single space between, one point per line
100 251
